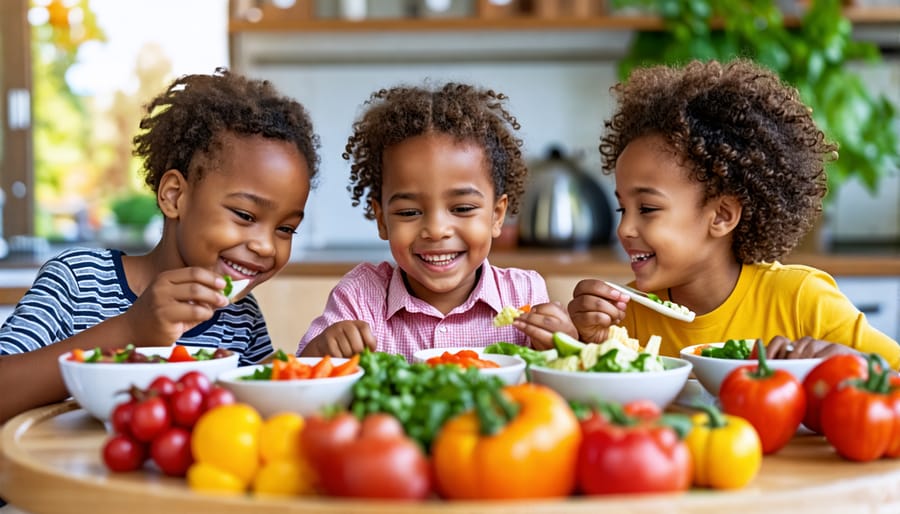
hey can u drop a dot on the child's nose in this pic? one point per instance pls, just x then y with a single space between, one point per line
262 244
436 226
626 228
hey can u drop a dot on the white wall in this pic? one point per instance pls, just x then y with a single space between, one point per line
558 85
557 89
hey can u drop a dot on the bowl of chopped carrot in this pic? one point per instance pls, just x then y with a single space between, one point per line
304 385
510 368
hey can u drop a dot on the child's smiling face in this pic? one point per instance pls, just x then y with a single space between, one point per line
666 228
240 216
439 214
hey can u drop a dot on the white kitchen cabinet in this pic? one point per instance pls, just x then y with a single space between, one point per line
878 298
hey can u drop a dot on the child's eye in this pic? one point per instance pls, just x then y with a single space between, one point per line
462 209
621 210
406 213
243 215
287 230
647 210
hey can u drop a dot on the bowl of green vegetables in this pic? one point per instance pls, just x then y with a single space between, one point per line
714 361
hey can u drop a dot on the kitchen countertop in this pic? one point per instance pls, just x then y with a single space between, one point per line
16 272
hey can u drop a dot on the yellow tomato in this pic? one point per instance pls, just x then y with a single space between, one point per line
208 478
279 437
284 477
227 438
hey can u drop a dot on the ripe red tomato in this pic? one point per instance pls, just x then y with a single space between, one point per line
321 436
217 396
381 463
171 451
823 378
149 418
186 405
641 458
772 401
121 417
122 453
861 418
163 385
196 379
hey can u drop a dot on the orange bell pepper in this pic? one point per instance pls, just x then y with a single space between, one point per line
532 455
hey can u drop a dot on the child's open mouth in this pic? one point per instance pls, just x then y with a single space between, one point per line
439 259
640 257
242 270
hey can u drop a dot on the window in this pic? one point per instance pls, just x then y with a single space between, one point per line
93 65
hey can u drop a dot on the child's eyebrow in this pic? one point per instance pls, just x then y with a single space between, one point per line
461 191
644 190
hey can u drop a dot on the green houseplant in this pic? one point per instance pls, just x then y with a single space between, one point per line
813 55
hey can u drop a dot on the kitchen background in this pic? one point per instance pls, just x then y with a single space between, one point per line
556 73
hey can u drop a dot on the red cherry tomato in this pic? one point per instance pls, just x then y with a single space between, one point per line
217 396
196 379
150 418
186 405
171 451
122 453
121 417
163 385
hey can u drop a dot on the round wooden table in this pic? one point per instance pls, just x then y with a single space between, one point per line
51 464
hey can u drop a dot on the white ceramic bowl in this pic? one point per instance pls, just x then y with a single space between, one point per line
99 386
304 396
660 387
511 370
711 371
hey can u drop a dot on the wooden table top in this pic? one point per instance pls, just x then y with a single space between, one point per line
51 464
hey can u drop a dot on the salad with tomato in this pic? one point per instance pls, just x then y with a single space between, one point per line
130 355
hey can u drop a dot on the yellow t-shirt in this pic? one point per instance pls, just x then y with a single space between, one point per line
770 299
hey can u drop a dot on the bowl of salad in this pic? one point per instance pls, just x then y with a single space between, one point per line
714 361
98 379
510 368
304 385
617 370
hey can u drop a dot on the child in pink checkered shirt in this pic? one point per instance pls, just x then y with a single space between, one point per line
438 169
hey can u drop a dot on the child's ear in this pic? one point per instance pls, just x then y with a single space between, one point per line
727 215
379 219
171 191
499 215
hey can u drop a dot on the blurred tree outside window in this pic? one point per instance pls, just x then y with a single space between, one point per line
95 64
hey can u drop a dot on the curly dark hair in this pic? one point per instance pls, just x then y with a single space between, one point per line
740 131
460 110
195 112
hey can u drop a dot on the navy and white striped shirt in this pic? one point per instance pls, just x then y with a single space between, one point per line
81 287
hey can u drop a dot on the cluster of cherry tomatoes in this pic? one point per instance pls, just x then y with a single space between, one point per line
156 422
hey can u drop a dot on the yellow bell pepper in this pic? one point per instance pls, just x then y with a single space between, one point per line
529 451
726 450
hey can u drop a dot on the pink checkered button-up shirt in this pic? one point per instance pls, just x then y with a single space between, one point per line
402 323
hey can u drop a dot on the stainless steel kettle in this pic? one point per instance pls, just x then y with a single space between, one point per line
564 206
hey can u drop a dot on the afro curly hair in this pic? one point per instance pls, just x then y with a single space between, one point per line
184 126
740 131
463 111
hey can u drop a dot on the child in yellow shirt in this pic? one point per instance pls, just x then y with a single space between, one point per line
719 173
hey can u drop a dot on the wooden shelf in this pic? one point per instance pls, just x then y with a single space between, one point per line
858 15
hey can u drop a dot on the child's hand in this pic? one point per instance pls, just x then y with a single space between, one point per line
594 307
781 347
542 321
342 339
173 303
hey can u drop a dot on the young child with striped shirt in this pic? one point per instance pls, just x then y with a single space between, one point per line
438 170
231 162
